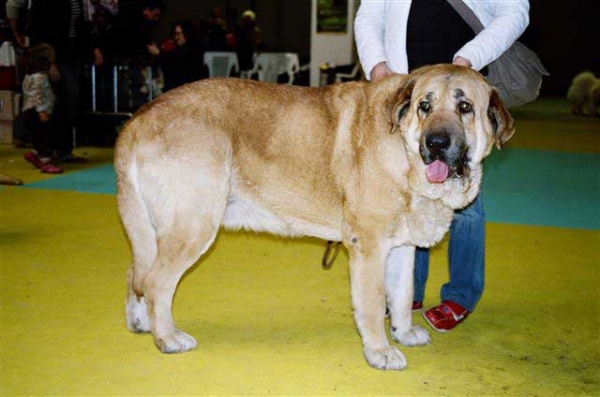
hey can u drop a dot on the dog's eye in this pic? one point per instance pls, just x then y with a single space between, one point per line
424 106
465 107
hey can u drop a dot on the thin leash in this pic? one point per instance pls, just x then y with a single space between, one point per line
329 256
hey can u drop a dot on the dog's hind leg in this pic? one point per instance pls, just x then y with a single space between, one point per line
142 238
187 206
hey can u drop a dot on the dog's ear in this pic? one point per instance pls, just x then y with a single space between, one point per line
399 103
501 120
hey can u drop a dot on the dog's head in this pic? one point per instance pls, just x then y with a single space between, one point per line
450 118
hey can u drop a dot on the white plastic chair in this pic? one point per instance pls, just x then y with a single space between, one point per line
270 65
221 63
353 75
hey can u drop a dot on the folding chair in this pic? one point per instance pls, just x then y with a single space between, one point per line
221 63
270 65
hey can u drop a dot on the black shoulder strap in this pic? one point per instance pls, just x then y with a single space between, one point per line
467 14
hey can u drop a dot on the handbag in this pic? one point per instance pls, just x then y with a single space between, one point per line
517 74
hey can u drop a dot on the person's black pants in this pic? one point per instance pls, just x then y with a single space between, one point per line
42 133
67 104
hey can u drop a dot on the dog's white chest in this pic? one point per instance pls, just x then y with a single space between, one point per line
426 223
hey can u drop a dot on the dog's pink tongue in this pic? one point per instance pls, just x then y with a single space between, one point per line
437 172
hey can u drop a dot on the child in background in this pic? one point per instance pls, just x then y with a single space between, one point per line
38 104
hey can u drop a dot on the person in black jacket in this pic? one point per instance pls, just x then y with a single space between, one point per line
180 58
131 40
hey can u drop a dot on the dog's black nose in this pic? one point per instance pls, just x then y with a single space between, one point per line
437 142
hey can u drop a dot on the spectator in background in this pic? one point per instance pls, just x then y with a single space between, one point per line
38 105
62 25
216 34
180 58
101 15
132 39
133 30
247 40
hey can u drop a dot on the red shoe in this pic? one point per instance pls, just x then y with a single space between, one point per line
446 316
34 159
51 169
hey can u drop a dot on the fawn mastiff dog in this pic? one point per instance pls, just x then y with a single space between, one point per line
378 166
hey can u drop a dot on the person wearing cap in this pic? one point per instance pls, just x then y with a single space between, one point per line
247 40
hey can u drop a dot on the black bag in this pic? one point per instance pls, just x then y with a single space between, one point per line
517 74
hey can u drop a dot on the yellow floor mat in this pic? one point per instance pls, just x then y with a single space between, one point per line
269 321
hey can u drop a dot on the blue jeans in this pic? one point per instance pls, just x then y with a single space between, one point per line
466 258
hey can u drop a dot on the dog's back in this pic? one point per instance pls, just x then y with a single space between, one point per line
276 132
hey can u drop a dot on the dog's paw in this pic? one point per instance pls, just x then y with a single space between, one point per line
416 336
385 358
137 315
176 342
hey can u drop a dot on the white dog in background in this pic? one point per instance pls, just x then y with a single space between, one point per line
584 91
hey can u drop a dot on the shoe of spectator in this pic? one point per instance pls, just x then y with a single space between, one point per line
51 169
34 159
446 316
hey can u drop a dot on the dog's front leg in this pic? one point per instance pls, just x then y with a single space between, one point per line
367 276
399 287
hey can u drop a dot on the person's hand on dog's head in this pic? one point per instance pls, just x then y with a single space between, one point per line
462 62
380 71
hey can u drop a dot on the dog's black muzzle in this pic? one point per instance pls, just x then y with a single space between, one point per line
447 147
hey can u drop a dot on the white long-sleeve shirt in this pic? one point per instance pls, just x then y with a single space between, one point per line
380 31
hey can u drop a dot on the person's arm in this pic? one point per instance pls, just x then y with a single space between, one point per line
369 33
509 22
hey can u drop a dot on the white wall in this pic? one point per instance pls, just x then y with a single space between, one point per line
334 48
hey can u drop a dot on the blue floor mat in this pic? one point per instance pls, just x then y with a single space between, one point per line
100 179
543 188
520 186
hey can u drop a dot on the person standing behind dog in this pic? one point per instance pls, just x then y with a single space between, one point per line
38 105
400 36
